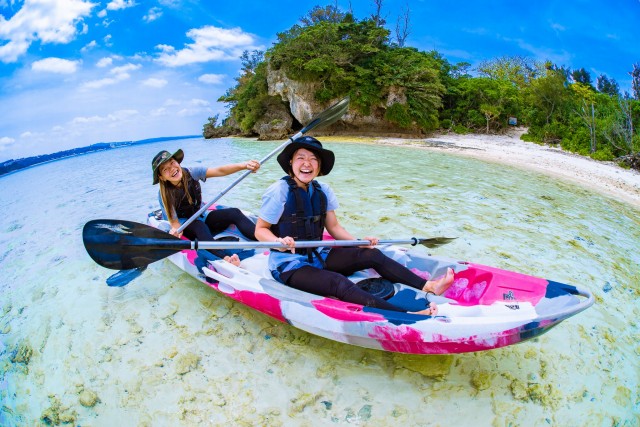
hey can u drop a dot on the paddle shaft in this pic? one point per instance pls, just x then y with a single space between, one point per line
151 243
123 245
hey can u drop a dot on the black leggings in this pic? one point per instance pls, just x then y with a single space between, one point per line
342 262
216 222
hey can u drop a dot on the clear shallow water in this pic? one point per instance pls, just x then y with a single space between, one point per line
166 350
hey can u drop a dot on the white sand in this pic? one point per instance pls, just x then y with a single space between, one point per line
604 177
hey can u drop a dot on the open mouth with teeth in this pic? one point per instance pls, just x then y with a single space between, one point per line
306 174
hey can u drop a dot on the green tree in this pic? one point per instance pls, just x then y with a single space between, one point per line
319 14
517 69
585 109
355 57
607 86
249 99
635 81
482 103
622 133
547 101
582 76
251 60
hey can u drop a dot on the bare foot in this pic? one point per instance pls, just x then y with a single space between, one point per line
233 259
439 286
431 311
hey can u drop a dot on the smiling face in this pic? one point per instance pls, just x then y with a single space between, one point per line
305 166
170 171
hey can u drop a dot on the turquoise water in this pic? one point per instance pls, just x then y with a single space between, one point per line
166 350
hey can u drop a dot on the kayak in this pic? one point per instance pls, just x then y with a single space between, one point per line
485 308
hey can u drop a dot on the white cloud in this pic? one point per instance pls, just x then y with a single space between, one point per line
194 107
55 65
159 112
89 46
83 120
104 62
212 79
210 44
153 14
199 102
152 82
47 21
120 4
172 102
120 73
100 83
125 68
170 3
108 81
5 142
117 116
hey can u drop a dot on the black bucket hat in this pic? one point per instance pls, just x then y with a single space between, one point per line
163 157
327 158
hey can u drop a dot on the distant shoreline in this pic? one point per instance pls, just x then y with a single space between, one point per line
606 178
15 165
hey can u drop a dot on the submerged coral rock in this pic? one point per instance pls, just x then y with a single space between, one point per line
88 398
545 395
623 396
299 403
481 380
56 414
364 413
519 390
23 354
186 363
436 367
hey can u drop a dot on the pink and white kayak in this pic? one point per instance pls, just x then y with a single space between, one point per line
485 308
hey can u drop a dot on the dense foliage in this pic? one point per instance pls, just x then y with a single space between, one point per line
341 55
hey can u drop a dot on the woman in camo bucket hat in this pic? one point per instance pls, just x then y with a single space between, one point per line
180 197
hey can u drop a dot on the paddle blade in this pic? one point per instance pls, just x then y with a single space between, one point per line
328 116
125 245
124 277
434 242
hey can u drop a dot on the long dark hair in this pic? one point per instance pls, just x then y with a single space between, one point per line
169 193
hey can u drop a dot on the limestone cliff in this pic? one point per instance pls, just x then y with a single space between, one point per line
299 97
292 104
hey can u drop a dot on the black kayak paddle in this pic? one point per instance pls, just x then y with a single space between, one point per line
123 245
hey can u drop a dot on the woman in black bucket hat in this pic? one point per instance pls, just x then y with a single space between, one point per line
299 207
180 197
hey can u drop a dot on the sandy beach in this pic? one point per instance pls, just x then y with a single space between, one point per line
606 178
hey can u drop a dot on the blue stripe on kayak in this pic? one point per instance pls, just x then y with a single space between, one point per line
556 289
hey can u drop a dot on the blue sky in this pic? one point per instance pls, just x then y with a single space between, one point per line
78 72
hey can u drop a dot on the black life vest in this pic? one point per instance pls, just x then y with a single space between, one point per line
303 217
184 209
